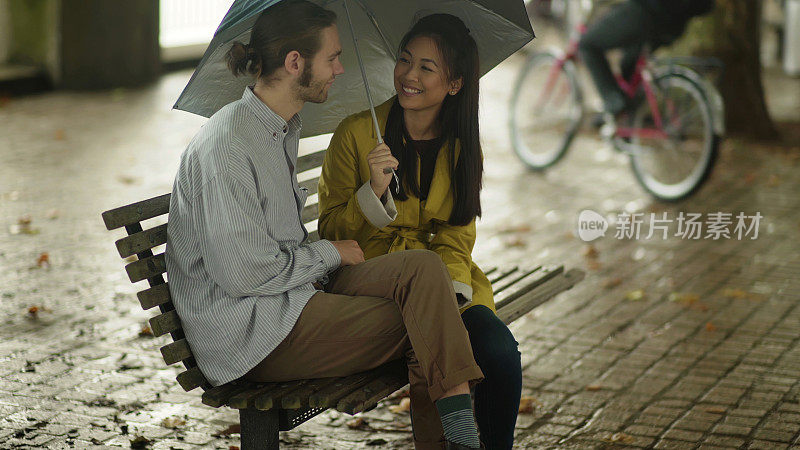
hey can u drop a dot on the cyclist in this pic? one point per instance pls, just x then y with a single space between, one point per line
629 25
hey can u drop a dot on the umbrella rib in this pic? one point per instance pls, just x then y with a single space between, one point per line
363 74
374 21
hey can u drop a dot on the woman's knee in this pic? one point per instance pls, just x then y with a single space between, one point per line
495 348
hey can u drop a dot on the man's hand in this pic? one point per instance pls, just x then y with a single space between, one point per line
379 159
350 252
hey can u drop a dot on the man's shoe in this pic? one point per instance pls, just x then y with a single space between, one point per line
453 446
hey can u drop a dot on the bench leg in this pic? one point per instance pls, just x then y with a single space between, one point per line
259 429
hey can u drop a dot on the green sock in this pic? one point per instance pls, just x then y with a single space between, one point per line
458 420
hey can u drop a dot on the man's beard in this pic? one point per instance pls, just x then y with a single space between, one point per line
310 90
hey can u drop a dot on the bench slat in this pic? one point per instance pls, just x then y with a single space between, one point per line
500 274
299 398
146 268
510 281
311 184
165 323
244 400
176 351
371 394
310 213
154 296
136 212
489 271
270 399
526 284
310 161
218 396
192 378
529 300
143 240
329 396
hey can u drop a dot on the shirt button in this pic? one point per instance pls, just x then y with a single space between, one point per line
285 129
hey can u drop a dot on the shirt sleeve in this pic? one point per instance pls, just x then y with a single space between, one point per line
238 251
454 245
349 208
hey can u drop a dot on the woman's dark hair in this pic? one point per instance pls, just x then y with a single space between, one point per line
289 25
458 119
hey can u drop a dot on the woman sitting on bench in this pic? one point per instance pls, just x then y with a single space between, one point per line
432 141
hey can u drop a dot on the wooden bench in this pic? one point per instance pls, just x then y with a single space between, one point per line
266 408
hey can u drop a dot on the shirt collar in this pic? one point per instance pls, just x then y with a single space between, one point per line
274 123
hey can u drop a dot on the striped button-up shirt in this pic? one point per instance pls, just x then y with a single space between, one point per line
239 270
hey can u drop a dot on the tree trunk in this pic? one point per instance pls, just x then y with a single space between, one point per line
733 34
106 44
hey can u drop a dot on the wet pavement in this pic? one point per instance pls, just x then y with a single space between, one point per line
667 343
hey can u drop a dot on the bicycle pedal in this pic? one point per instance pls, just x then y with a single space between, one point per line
609 128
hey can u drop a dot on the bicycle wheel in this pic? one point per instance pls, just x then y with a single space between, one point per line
673 164
545 110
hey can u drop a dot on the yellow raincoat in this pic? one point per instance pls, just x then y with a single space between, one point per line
349 208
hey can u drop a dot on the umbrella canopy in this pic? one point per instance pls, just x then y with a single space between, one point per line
499 27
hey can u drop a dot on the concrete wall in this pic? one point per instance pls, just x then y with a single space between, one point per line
5 31
30 34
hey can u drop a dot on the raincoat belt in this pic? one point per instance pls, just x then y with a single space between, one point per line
405 239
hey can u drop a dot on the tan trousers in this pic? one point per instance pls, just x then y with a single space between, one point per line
392 306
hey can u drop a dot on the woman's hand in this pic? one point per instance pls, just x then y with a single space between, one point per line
380 159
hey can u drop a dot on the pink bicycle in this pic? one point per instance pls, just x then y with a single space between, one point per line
671 138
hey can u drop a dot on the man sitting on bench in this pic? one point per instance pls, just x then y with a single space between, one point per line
245 284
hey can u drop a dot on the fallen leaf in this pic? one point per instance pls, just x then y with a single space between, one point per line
232 429
146 331
33 311
59 135
710 327
773 180
23 226
43 259
620 437
524 228
734 293
590 251
125 179
612 283
53 214
173 422
358 423
233 447
516 242
594 387
140 442
403 407
593 265
528 404
634 296
131 259
750 178
688 299
716 410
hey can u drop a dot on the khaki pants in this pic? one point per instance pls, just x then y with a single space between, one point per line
392 306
